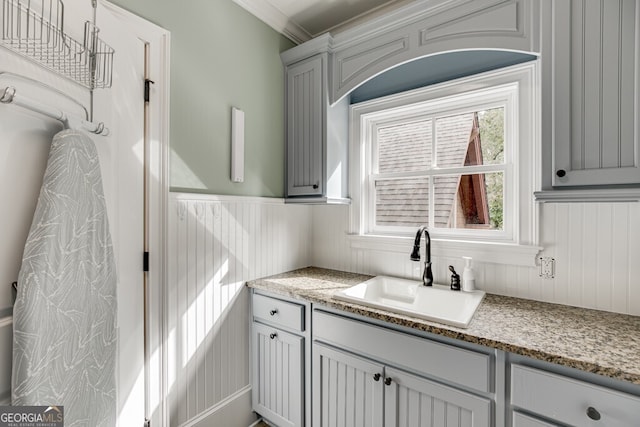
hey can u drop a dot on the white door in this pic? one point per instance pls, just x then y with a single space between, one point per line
26 137
122 109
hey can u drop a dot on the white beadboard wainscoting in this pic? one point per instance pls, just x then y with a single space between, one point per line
216 244
596 247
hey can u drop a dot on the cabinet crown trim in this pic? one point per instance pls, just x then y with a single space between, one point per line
399 18
320 44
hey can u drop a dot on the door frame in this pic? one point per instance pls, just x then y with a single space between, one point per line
158 41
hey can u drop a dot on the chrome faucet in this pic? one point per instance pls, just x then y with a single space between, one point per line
427 275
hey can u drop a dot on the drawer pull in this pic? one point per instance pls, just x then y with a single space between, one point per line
273 312
376 377
387 381
273 335
593 413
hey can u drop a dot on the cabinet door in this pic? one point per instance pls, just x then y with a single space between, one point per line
305 127
412 401
347 390
277 377
591 82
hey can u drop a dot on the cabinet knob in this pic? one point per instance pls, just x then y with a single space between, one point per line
561 173
593 413
376 377
273 312
315 186
387 381
273 335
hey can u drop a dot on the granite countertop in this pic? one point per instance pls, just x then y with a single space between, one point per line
594 341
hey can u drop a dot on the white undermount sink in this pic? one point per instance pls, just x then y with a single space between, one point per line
437 303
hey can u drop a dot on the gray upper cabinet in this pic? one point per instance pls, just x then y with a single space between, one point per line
305 86
321 73
317 133
590 86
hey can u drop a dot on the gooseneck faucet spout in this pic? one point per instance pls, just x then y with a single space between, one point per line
427 275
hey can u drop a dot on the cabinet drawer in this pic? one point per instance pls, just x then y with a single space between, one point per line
279 313
453 364
571 401
521 420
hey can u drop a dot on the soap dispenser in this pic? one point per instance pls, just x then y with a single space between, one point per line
468 276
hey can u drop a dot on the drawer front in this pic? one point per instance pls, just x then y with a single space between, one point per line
571 401
521 420
279 313
453 364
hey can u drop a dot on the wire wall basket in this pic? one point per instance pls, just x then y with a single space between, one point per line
36 31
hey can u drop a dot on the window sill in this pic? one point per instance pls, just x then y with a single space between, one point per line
497 253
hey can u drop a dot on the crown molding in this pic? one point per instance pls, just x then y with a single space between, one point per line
277 20
320 44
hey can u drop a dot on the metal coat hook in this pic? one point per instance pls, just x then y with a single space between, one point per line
8 94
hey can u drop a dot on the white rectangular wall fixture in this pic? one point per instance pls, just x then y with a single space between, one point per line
237 145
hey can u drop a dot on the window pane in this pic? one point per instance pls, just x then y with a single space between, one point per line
470 139
404 147
402 202
469 201
491 124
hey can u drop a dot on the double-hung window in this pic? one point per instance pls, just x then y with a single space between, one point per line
459 157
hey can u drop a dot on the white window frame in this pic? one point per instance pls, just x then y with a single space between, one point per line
517 87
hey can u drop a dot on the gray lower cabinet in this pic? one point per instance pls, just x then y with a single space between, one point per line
568 401
361 377
352 391
347 390
278 375
367 374
278 360
412 401
522 420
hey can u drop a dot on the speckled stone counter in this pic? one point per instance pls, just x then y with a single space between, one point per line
594 341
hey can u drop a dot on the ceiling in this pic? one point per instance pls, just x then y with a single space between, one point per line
301 20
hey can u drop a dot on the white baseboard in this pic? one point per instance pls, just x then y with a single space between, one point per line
234 411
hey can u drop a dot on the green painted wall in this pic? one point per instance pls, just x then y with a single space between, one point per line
221 57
